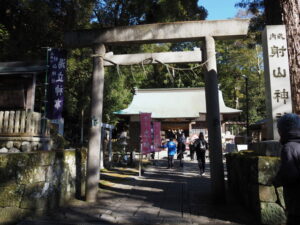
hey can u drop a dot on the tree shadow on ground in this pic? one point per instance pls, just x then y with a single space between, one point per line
180 190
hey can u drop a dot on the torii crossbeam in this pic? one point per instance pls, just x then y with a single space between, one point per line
153 58
158 33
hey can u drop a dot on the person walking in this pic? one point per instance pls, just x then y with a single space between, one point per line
191 147
288 175
181 148
172 149
192 151
200 146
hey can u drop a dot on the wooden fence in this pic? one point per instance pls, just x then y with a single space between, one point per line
22 123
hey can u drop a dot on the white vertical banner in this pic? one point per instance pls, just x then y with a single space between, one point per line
277 76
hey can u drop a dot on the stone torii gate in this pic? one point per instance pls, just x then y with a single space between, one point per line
158 33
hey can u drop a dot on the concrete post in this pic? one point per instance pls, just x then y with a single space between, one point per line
214 123
31 93
102 148
110 147
93 163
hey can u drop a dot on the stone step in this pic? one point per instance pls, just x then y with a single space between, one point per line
51 222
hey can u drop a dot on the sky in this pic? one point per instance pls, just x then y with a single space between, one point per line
219 9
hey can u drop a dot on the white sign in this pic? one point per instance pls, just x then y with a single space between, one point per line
277 76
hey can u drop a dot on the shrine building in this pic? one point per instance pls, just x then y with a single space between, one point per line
176 109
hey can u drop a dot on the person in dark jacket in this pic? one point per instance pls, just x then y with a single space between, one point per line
192 150
288 175
200 146
180 148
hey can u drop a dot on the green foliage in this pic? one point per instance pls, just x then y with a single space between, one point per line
77 92
117 92
254 6
33 24
4 35
258 19
110 13
266 12
237 58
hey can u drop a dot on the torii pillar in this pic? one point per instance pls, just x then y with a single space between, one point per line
158 33
93 156
214 122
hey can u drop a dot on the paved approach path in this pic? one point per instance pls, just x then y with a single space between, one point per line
161 196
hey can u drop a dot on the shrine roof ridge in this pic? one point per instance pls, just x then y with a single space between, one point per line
137 90
190 103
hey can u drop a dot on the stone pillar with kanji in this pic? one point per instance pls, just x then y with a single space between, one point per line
277 77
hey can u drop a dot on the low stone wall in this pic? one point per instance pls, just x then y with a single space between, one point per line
250 179
31 183
266 148
24 144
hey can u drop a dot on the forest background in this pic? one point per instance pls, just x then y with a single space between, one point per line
26 26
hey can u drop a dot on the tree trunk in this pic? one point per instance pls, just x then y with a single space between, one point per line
291 18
